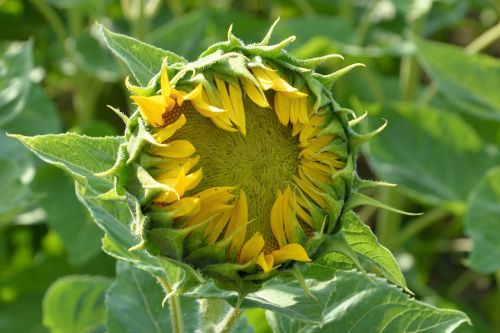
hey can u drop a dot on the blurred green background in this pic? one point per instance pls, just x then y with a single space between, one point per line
432 71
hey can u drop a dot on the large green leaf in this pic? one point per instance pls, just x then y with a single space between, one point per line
66 216
115 218
76 304
284 294
362 240
143 60
80 155
134 304
462 77
482 223
360 304
430 153
15 195
15 66
39 115
94 59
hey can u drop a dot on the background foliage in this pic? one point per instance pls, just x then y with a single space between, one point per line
432 71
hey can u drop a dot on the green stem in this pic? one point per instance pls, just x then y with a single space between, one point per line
461 283
477 45
484 40
53 20
175 307
420 223
228 323
409 70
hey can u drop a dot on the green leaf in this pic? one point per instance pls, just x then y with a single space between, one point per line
284 294
283 324
81 156
360 305
65 214
15 195
115 218
482 223
39 115
143 60
462 77
15 66
362 240
76 304
432 154
93 58
134 304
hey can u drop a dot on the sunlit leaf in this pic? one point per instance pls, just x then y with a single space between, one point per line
362 240
143 60
363 305
81 156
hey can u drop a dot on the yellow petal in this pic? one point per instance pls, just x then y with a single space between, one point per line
290 252
169 130
277 220
319 166
216 194
294 109
206 109
178 188
256 95
193 179
208 213
297 128
315 176
237 103
220 124
311 191
185 207
151 108
170 168
289 219
280 84
265 81
238 222
302 214
174 149
166 89
193 95
265 261
303 114
282 108
226 101
315 146
330 159
251 249
215 228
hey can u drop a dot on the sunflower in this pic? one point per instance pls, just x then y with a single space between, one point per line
240 162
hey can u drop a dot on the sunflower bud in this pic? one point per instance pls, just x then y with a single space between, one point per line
240 162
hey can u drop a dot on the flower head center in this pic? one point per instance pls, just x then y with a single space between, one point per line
260 163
